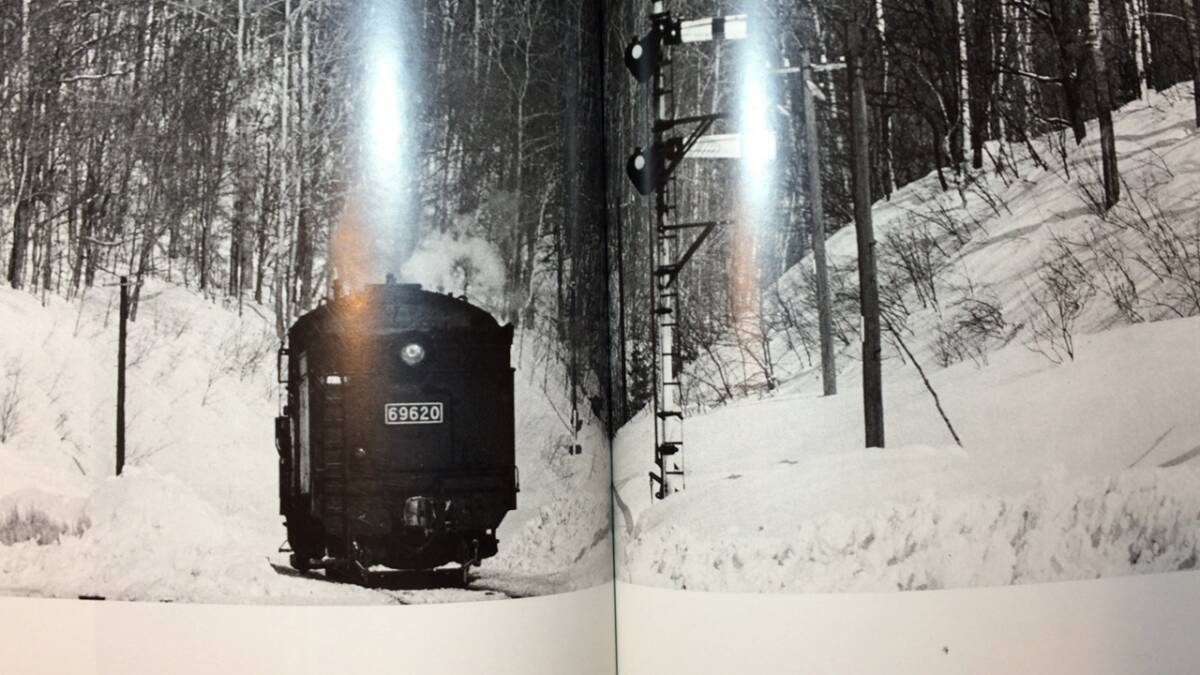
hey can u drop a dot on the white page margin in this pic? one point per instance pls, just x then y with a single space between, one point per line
1123 625
571 632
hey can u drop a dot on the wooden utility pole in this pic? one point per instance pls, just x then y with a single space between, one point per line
867 276
816 210
122 333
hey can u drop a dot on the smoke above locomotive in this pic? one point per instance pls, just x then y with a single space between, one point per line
396 441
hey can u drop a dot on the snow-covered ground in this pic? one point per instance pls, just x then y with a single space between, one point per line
1069 469
195 517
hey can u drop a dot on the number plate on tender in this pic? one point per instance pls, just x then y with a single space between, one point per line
413 413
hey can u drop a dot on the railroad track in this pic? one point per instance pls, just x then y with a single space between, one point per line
408 587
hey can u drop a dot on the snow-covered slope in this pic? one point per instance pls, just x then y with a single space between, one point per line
1070 468
195 515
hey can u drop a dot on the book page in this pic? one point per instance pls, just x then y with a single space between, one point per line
304 304
906 304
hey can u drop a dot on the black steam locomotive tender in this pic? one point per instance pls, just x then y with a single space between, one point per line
396 442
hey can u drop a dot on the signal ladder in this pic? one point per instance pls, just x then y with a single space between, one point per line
668 393
652 169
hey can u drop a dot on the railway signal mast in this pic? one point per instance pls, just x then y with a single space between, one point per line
651 170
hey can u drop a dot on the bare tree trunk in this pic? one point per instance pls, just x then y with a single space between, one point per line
237 251
1000 102
304 253
1108 148
526 235
264 228
22 214
964 83
1030 99
281 221
1147 52
1192 10
1074 100
476 34
1133 19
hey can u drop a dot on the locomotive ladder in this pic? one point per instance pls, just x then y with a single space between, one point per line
335 449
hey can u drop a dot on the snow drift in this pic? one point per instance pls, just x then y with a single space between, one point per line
195 516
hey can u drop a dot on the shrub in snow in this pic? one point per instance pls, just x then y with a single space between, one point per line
918 259
34 525
1065 287
1146 257
10 400
973 327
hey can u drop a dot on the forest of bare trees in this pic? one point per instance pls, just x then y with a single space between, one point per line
219 144
953 86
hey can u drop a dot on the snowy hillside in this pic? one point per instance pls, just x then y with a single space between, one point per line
1065 349
195 517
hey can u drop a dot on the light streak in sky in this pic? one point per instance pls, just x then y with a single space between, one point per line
390 150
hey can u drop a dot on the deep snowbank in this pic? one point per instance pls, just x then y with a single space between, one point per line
1069 469
1142 520
563 523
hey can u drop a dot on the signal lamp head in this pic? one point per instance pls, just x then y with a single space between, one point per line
641 171
648 168
412 354
641 57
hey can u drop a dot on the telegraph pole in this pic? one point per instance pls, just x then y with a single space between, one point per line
867 276
122 334
816 208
